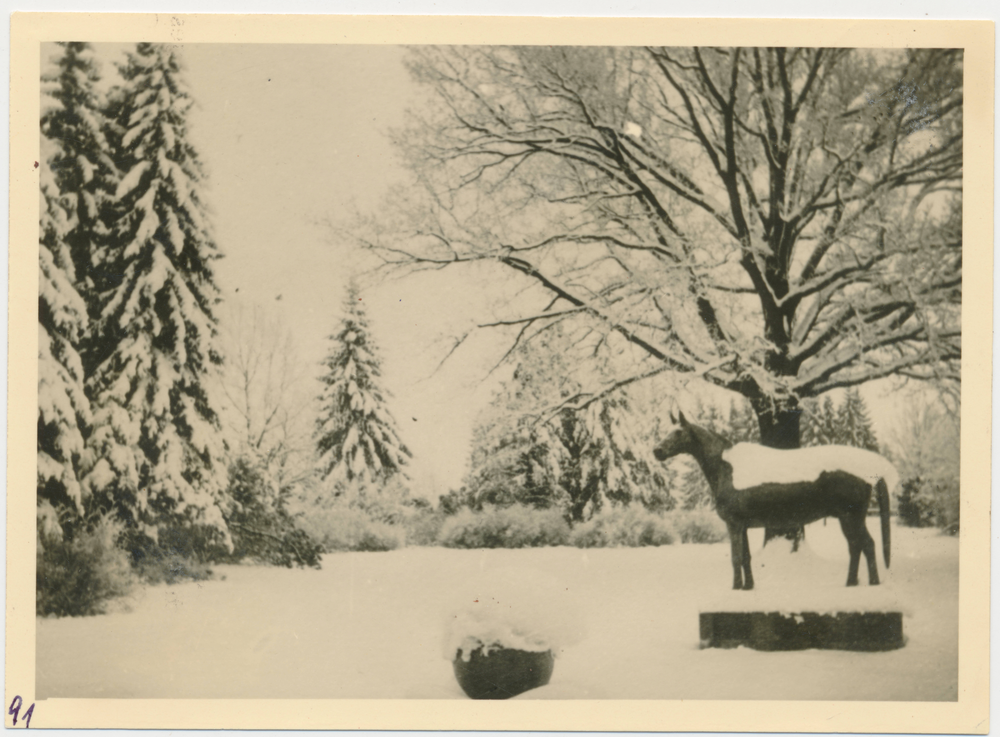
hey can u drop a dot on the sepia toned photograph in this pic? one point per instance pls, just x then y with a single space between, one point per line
451 372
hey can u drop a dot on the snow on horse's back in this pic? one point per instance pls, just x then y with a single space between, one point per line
754 464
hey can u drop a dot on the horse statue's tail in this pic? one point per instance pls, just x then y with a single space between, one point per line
883 509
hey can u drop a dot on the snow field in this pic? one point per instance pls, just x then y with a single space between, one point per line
372 625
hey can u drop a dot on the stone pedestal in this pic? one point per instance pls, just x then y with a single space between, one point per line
862 631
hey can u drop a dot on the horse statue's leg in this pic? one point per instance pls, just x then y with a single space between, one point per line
868 545
737 533
747 574
850 529
859 541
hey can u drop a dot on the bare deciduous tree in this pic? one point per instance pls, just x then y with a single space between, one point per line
778 222
266 409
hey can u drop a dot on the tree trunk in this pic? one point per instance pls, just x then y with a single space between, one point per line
779 428
580 495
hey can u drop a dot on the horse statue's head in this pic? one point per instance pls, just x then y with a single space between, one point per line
681 440
696 441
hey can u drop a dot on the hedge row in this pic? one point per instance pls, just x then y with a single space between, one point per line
633 526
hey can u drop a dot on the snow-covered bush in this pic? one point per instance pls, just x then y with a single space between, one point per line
930 503
621 526
700 525
520 609
342 528
178 553
261 526
423 526
517 526
79 576
386 501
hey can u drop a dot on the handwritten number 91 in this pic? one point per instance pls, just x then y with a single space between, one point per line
15 709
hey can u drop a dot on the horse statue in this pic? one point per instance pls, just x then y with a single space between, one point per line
755 486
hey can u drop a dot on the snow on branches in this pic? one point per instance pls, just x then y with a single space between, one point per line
357 437
75 176
155 440
63 407
536 444
778 222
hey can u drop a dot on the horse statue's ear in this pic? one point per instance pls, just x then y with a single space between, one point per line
682 418
672 418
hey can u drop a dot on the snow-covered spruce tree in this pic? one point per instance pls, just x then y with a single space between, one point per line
83 170
854 424
63 408
927 450
156 457
360 450
76 176
511 464
820 424
602 458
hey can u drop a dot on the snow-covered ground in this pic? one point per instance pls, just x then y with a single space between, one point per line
372 625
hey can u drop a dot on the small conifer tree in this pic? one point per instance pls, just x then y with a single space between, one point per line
854 424
356 435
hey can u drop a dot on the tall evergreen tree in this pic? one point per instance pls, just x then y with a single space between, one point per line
63 407
76 176
854 424
356 435
81 163
611 464
155 441
821 425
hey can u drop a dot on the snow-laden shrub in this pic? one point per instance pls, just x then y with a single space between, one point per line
930 503
508 527
177 554
343 528
623 526
949 507
79 576
701 525
423 527
260 523
520 609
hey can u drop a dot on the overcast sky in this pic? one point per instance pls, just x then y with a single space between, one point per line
294 137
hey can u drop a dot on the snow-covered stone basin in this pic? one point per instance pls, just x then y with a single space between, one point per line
521 608
371 625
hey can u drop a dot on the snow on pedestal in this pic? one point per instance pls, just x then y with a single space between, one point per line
800 602
507 628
